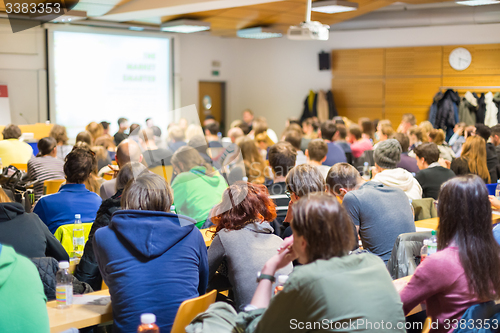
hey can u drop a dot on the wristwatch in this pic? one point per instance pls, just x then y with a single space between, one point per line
265 277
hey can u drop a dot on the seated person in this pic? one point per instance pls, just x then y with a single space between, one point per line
386 157
73 198
127 151
380 213
153 155
492 159
459 274
12 150
152 260
122 127
340 138
198 187
321 242
359 144
473 159
316 155
294 137
301 181
335 154
45 165
211 133
87 270
243 235
59 133
176 137
407 162
431 174
26 233
255 166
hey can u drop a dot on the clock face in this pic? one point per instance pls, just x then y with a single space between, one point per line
460 59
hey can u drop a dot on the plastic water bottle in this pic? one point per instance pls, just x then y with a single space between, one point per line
281 282
78 237
497 190
366 171
424 250
64 286
148 325
432 246
1 166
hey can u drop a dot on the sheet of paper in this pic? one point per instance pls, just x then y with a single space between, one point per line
422 229
91 299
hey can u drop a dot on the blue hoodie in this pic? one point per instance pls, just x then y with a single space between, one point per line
152 262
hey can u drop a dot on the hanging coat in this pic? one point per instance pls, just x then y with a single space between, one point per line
332 109
491 110
447 111
308 111
496 100
467 109
434 108
481 109
322 106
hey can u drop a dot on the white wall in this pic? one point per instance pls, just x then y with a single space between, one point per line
273 77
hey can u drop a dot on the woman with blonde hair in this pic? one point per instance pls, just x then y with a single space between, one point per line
192 131
426 127
255 166
445 152
96 130
59 133
473 159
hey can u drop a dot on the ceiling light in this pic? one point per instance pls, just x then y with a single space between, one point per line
259 33
136 28
478 2
185 26
331 7
68 16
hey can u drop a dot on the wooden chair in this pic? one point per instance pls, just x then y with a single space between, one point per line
52 186
165 171
108 175
21 166
190 309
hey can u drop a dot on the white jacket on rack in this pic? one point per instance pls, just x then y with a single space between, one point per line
491 117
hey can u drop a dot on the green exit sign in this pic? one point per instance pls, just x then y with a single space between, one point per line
215 73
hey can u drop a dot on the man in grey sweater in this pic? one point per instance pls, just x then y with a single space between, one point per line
380 213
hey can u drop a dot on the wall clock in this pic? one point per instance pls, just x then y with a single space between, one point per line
460 59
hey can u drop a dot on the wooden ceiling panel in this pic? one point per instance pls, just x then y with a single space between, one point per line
247 14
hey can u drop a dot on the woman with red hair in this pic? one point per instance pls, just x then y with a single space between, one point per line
243 239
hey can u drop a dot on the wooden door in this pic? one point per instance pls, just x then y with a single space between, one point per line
212 101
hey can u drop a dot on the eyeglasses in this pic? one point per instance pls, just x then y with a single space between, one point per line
288 193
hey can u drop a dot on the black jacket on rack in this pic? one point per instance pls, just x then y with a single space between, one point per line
445 115
481 108
308 113
332 110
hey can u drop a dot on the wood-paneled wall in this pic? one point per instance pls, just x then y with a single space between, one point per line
386 83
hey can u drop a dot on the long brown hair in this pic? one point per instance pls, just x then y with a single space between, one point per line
465 218
186 158
255 166
474 151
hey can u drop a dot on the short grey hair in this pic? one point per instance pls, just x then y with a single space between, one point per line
305 179
148 192
342 175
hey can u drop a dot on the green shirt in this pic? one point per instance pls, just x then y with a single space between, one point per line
195 193
22 305
349 294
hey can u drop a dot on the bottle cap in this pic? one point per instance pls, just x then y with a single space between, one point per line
433 232
148 318
366 163
63 264
245 179
78 216
282 279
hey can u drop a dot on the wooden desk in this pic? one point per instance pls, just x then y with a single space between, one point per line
434 222
79 315
418 308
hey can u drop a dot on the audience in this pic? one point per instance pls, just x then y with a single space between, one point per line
407 121
45 165
407 162
415 135
26 233
192 131
255 166
248 119
198 187
335 153
102 147
105 128
93 182
12 150
212 135
492 160
151 260
316 155
156 130
235 133
340 138
177 137
73 198
84 137
458 138
495 139
387 156
122 127
294 138
58 132
385 133
96 131
380 124
243 235
321 242
358 144
431 174
367 129
464 270
379 212
472 160
445 152
153 156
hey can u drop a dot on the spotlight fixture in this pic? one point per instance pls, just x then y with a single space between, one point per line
333 6
185 26
259 33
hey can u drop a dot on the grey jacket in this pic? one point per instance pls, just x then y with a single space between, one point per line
244 252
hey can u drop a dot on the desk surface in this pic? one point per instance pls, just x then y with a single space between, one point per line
434 222
79 315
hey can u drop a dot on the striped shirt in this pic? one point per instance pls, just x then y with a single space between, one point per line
44 168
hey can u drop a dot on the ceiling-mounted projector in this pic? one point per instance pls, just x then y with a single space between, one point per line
309 30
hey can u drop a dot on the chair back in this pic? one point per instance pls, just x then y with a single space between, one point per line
64 234
21 166
165 171
52 186
190 309
424 209
405 256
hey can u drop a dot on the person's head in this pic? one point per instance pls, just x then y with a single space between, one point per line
408 120
105 126
248 116
294 137
468 226
185 158
128 151
307 126
469 131
4 198
123 123
243 203
354 133
199 142
146 136
192 131
84 137
134 129
292 120
474 151
282 156
244 127
254 163
316 150
263 141
342 178
259 125
208 120
11 131
403 140
483 131
385 132
150 122
382 123
183 123
328 130
387 154
367 128
427 153
79 164
235 133
341 133
495 134
338 120
212 129
176 133
129 171
47 147
321 228
426 127
95 130
303 180
58 132
105 141
148 192
416 135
